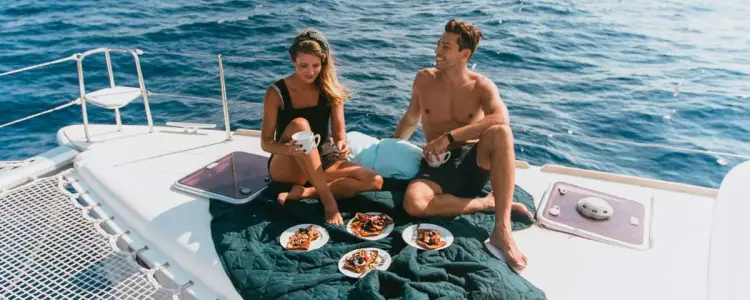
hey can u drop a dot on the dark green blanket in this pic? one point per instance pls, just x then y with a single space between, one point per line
246 239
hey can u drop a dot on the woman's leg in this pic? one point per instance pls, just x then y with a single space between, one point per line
348 179
305 168
284 168
345 180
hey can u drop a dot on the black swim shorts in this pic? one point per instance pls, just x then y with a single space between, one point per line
460 176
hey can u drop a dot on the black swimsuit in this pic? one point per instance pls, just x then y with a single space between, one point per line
318 116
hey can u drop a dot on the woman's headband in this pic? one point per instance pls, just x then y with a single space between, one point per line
310 35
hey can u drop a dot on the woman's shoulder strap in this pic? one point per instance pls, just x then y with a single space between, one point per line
280 87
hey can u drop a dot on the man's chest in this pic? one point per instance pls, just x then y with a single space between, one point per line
446 105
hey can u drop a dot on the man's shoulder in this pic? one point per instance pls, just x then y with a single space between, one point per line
426 74
425 77
481 81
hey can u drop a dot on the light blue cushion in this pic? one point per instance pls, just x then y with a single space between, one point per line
397 159
389 157
363 148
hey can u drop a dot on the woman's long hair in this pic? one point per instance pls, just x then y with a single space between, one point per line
313 42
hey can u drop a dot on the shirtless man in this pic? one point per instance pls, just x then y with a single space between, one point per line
461 112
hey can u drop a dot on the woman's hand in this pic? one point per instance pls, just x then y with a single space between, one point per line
343 150
333 216
294 149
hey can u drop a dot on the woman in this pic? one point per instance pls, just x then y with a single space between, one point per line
307 101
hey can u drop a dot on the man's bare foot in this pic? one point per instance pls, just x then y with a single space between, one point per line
294 194
503 239
489 205
522 209
488 202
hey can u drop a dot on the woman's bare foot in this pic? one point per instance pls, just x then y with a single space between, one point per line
503 239
295 193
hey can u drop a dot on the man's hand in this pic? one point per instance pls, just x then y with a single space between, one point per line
343 150
436 147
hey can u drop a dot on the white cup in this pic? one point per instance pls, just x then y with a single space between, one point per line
434 162
307 139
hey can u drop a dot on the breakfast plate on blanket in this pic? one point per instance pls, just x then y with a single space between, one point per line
370 226
358 263
427 236
304 237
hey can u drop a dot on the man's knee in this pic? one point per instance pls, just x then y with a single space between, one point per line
497 133
495 138
417 196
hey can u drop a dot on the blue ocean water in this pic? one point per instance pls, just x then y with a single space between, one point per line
605 69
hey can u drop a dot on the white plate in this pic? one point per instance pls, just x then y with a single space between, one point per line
322 240
383 257
385 232
410 235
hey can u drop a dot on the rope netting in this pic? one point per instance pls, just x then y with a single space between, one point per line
52 249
